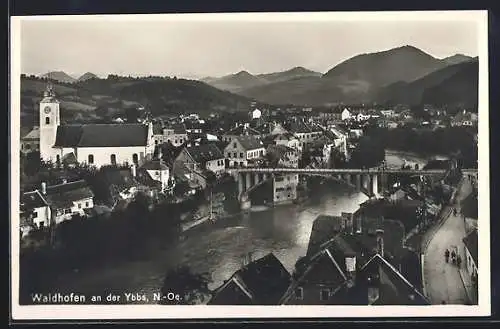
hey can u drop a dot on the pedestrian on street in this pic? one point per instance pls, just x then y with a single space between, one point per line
447 255
459 261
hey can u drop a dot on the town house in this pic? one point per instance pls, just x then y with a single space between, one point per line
259 282
35 211
304 132
346 264
471 254
241 130
175 134
31 142
193 162
57 203
244 151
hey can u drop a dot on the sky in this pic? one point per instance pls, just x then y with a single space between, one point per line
196 49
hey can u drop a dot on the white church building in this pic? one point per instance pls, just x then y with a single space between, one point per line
93 144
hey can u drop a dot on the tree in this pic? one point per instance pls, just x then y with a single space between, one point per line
181 188
32 164
132 114
191 287
369 153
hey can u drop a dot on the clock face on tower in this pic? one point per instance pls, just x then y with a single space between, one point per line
46 110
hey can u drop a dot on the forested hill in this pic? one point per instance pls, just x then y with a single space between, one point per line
160 95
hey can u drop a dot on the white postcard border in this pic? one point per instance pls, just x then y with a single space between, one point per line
106 312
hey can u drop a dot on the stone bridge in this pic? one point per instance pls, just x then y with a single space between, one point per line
369 181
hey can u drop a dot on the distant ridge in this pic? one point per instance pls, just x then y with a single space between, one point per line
359 79
87 76
59 76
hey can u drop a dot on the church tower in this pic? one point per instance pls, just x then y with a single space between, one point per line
49 121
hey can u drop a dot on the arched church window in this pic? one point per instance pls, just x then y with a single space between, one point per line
113 159
91 158
47 120
135 158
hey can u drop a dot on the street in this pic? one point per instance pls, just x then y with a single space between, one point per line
442 280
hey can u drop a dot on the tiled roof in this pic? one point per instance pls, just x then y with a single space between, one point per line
33 134
63 195
32 200
280 150
323 268
324 228
158 129
394 288
178 128
154 165
302 127
249 142
102 135
231 293
471 242
243 130
264 281
205 152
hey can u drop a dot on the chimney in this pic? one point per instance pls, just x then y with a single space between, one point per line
133 170
380 242
44 188
373 294
350 265
348 222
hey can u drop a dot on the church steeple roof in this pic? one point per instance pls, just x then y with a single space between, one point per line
49 95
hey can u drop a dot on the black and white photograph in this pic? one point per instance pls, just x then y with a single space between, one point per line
192 165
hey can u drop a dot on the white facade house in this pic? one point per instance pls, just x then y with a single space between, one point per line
288 140
471 253
31 141
158 172
68 199
175 134
94 144
285 188
345 115
242 151
193 162
35 209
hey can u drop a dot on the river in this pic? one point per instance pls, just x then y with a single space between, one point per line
219 248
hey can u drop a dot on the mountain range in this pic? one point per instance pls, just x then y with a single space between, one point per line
402 75
244 80
360 79
66 78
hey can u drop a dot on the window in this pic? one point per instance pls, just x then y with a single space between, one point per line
241 163
113 159
235 155
79 206
156 142
35 214
241 154
135 159
47 120
91 158
67 211
324 294
228 154
234 145
58 158
299 293
87 204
